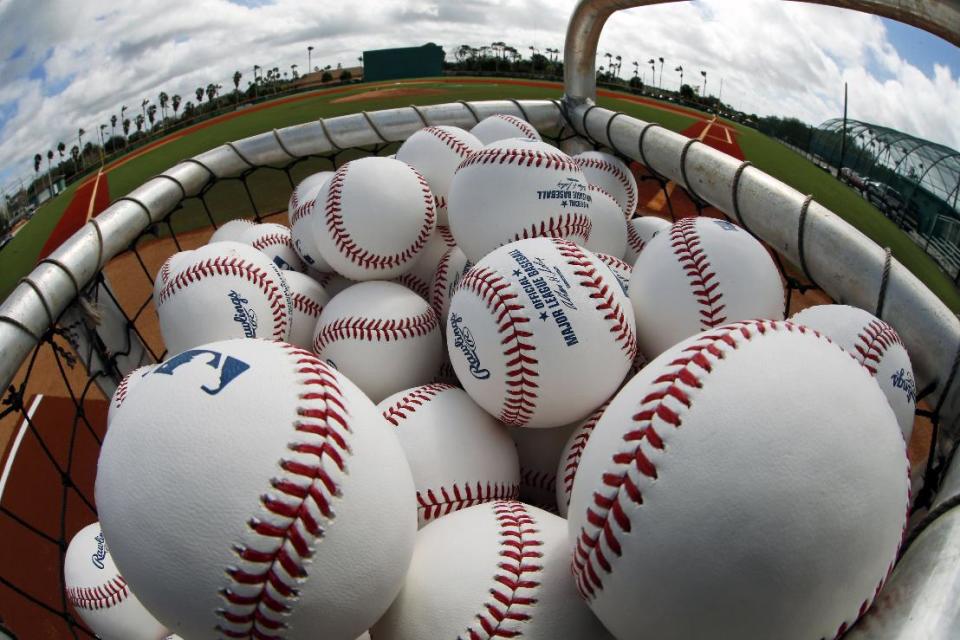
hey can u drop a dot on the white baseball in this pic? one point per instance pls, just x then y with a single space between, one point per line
373 218
496 570
334 283
276 241
540 333
608 229
224 290
436 152
620 269
874 344
727 491
701 274
568 460
126 385
382 336
613 176
517 189
300 211
502 126
307 298
167 270
453 264
640 231
231 231
458 454
539 451
274 499
420 277
100 595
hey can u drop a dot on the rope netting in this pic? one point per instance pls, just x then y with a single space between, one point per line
56 410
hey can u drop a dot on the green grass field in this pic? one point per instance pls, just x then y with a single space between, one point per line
270 188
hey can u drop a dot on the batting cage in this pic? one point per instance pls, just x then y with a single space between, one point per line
86 317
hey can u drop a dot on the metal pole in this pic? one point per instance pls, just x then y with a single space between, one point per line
843 143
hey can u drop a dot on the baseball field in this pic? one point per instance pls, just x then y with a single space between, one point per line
55 221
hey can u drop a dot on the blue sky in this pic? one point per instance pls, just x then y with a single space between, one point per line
68 65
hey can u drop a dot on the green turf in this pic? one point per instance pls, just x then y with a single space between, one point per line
270 189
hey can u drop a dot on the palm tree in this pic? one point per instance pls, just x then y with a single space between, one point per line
660 84
236 80
295 75
680 69
211 90
619 60
37 159
653 70
139 120
152 114
704 74
175 103
126 129
609 57
636 69
199 93
164 98
61 148
80 133
113 125
75 154
50 170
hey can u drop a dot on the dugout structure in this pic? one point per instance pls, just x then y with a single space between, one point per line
914 182
406 62
66 311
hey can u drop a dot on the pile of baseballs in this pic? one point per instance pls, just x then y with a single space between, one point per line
467 392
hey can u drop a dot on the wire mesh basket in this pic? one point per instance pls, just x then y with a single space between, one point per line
84 317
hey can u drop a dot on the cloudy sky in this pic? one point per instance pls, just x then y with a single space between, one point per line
66 64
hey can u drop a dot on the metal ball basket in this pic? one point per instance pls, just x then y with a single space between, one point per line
67 297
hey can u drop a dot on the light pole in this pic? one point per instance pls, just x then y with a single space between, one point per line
680 69
309 58
653 71
660 84
704 74
102 145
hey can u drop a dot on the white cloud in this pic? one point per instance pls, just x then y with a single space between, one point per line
773 57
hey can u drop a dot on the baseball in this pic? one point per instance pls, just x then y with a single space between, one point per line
436 152
640 231
231 231
334 283
608 229
262 504
301 209
609 173
307 299
874 344
382 336
420 277
500 569
128 382
373 218
453 264
502 126
727 491
167 270
458 454
100 595
224 290
620 269
517 189
568 460
276 241
539 451
701 274
540 333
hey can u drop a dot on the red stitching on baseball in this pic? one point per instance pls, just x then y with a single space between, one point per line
104 596
572 462
224 266
440 282
414 283
538 479
271 239
521 124
606 516
873 342
121 393
376 329
278 562
164 274
614 262
602 293
408 404
306 304
346 245
618 173
439 202
447 235
704 282
300 211
520 395
521 157
450 141
634 240
577 225
433 503
515 584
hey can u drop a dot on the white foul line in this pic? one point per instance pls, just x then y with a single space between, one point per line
16 443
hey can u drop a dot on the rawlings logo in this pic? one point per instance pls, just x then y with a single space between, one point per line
463 340
571 192
246 316
101 554
903 380
228 372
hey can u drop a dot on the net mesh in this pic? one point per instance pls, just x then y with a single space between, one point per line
56 413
